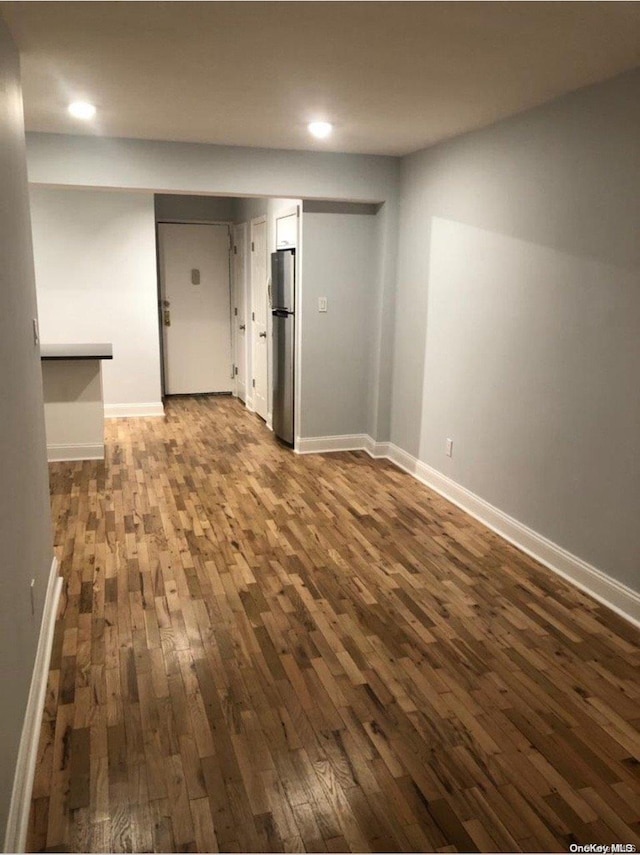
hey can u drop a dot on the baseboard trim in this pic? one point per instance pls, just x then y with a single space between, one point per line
324 444
126 411
608 591
376 449
81 451
18 819
603 588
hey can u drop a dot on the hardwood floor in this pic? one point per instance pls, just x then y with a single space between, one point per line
263 652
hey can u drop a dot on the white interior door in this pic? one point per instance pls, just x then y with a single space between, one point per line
239 316
194 279
259 278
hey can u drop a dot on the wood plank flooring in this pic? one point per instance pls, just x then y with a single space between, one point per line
263 652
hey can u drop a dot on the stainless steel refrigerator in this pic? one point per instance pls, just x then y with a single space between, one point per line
283 285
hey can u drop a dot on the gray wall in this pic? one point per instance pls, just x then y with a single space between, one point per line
383 314
187 207
171 167
338 262
248 209
25 526
518 319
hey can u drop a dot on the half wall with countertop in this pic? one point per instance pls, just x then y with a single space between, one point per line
73 400
95 261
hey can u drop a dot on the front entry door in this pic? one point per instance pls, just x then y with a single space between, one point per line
259 316
195 311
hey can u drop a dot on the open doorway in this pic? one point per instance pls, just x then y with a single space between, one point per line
214 300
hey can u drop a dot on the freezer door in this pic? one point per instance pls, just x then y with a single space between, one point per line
283 279
283 338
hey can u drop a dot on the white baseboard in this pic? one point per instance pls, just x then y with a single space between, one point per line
618 597
125 411
376 449
18 818
608 591
80 451
322 444
249 404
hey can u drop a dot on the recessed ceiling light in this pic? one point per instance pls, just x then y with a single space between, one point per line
82 110
321 130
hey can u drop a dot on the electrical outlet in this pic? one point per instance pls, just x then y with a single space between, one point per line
449 448
322 304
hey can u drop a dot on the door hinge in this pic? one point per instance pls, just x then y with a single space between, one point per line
253 246
235 250
253 382
253 316
236 370
235 311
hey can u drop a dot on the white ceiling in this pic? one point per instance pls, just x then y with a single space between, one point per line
392 76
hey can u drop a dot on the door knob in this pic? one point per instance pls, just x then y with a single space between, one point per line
262 335
243 326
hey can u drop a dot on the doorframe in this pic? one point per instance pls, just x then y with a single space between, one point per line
175 222
256 221
247 338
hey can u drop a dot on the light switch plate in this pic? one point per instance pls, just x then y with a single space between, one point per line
322 304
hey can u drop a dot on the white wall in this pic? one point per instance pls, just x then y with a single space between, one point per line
339 262
518 319
26 549
96 280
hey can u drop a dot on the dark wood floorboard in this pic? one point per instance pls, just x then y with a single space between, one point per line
258 651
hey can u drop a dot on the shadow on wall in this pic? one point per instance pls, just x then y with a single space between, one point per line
563 176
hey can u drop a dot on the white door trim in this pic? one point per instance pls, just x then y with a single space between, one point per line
256 221
243 317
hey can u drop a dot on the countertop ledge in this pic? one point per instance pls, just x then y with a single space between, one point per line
101 350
